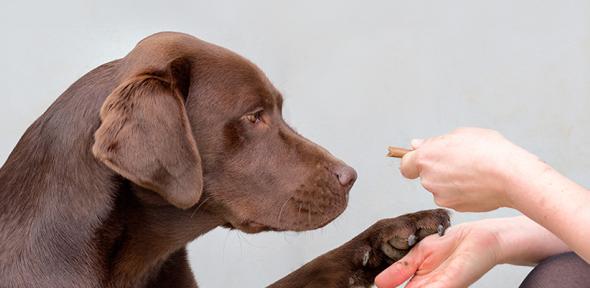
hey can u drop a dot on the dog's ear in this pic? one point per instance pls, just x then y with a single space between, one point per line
145 135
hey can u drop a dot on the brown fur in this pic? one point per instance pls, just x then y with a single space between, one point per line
146 153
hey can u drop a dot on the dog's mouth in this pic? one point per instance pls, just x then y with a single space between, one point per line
252 227
294 215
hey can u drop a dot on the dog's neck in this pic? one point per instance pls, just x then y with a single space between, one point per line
54 193
69 202
150 233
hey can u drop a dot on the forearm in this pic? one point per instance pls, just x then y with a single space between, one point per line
522 241
554 202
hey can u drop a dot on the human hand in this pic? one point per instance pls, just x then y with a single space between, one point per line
470 169
457 259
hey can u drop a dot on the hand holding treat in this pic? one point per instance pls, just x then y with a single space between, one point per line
467 170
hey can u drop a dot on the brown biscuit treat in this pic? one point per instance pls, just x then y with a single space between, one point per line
396 152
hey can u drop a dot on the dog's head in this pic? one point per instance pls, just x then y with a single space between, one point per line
194 123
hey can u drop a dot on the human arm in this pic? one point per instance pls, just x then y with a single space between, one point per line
476 170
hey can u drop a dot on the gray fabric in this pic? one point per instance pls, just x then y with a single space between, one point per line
564 270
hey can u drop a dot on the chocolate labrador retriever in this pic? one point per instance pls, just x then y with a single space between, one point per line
146 153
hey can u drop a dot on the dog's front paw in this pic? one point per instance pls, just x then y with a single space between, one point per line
389 240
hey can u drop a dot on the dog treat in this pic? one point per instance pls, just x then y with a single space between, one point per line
397 152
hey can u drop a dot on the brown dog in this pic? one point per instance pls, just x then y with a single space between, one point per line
146 153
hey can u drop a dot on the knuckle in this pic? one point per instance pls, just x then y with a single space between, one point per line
464 129
409 167
458 130
441 202
461 208
420 161
427 184
405 170
418 158
495 133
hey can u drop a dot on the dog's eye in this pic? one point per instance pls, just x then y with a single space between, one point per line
255 117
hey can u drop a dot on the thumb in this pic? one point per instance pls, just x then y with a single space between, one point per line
400 271
409 165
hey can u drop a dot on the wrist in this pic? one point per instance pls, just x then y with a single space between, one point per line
503 237
503 229
492 234
520 170
521 241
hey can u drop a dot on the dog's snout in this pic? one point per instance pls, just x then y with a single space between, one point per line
346 175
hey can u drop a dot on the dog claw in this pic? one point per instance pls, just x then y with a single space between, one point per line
412 240
366 257
441 230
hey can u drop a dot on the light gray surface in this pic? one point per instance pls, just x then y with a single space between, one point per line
357 75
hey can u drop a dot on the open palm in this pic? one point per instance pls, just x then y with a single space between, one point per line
456 259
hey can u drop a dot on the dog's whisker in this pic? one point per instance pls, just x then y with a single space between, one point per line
200 205
225 243
240 241
244 238
281 210
309 214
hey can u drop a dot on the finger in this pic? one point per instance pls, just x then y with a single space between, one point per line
442 278
409 166
417 282
400 271
415 143
425 283
432 279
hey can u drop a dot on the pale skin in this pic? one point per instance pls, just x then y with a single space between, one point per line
476 170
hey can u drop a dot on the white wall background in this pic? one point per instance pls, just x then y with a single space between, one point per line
357 75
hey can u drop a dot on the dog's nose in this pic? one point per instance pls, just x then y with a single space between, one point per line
346 175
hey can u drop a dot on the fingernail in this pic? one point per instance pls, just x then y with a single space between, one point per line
411 240
415 143
441 230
